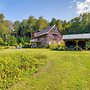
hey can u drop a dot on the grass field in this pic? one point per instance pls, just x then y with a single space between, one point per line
62 70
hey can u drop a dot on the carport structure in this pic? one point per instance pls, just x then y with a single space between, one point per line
77 41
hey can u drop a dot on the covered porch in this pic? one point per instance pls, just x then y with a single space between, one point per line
77 41
35 43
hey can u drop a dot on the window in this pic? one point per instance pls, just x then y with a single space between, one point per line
55 36
55 29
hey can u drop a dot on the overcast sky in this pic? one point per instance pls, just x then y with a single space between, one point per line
60 9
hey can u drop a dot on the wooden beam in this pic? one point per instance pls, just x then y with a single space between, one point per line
87 47
77 46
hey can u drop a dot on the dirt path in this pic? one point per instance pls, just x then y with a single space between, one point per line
41 71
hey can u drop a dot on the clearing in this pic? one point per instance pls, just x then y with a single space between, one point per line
63 70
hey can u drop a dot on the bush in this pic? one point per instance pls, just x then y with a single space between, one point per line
26 45
54 46
62 46
57 46
27 39
23 40
12 41
1 41
15 66
20 40
88 44
19 46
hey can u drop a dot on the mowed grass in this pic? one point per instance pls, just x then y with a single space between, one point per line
63 70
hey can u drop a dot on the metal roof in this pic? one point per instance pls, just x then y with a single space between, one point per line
76 36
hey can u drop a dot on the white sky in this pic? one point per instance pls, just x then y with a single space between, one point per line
83 7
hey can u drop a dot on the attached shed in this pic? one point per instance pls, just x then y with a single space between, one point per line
77 41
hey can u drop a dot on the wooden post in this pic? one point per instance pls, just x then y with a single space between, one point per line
76 44
66 48
65 45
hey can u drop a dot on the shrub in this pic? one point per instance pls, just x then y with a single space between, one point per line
88 44
12 41
19 46
20 40
57 46
27 39
15 66
54 46
1 41
23 40
26 45
62 46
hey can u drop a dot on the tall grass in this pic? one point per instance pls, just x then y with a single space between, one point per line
61 70
15 65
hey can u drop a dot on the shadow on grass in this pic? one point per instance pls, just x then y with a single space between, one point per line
69 50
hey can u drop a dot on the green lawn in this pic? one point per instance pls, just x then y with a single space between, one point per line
62 70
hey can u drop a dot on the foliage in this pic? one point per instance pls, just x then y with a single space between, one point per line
12 40
59 25
62 46
64 70
1 41
26 45
57 22
57 46
16 65
26 28
41 23
1 17
27 39
53 21
88 44
16 27
20 40
54 46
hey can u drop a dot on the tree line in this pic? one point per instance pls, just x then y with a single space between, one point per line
13 33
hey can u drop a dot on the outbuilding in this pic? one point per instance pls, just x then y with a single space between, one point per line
77 41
